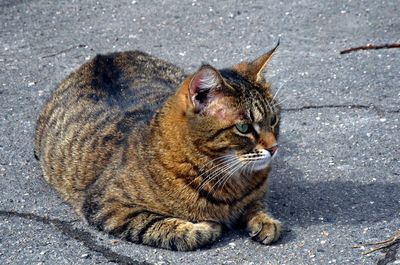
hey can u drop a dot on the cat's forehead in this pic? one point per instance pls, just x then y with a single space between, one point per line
251 98
234 79
242 86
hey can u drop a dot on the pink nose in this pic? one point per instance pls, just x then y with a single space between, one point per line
272 150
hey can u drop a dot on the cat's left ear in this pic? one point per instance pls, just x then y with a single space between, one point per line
205 87
254 70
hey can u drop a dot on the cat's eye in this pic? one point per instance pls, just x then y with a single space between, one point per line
244 127
274 120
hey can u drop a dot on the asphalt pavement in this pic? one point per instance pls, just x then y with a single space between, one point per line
335 183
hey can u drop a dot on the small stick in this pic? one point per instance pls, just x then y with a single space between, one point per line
382 244
390 240
65 50
371 47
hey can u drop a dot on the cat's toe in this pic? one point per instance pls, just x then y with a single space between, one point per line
264 229
191 236
205 233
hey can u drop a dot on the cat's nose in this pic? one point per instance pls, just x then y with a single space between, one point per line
268 142
272 150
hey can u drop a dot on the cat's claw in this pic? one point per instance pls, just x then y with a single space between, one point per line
264 229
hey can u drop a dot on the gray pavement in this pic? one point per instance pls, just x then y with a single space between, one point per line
336 182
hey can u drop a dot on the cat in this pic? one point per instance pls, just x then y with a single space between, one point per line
151 155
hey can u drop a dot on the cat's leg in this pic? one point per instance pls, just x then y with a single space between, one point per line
145 227
261 227
175 233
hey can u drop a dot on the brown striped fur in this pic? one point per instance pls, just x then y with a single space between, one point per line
138 148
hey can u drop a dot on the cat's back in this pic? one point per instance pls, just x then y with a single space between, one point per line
124 79
88 118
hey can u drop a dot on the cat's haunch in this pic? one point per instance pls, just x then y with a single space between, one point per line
148 154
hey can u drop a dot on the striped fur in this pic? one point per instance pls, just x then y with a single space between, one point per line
138 149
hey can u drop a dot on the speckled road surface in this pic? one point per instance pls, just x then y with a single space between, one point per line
336 181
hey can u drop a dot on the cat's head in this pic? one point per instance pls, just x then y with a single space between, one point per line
232 115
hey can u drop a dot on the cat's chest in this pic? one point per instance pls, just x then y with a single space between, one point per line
226 211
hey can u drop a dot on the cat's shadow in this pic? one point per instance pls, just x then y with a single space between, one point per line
297 201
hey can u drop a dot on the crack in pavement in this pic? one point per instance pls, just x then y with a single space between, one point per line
390 254
348 106
72 232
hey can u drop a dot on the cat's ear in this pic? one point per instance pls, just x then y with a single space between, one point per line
204 87
254 70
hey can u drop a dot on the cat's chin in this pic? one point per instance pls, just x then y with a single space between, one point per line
258 165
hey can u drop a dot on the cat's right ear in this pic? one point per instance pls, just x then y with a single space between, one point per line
254 70
204 87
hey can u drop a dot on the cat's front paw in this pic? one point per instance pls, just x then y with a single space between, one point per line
198 235
263 228
208 231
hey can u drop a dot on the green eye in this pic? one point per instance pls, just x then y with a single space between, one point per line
243 127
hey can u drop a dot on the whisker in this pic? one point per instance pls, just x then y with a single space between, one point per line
249 166
247 170
228 169
227 176
270 107
226 179
216 159
252 165
219 172
214 175
216 171
279 103
281 86
277 91
224 159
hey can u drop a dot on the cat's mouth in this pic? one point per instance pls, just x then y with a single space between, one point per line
259 164
259 159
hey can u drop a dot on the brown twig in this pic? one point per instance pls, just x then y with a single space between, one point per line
382 244
65 50
371 47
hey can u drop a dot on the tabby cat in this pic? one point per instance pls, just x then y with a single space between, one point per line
151 155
